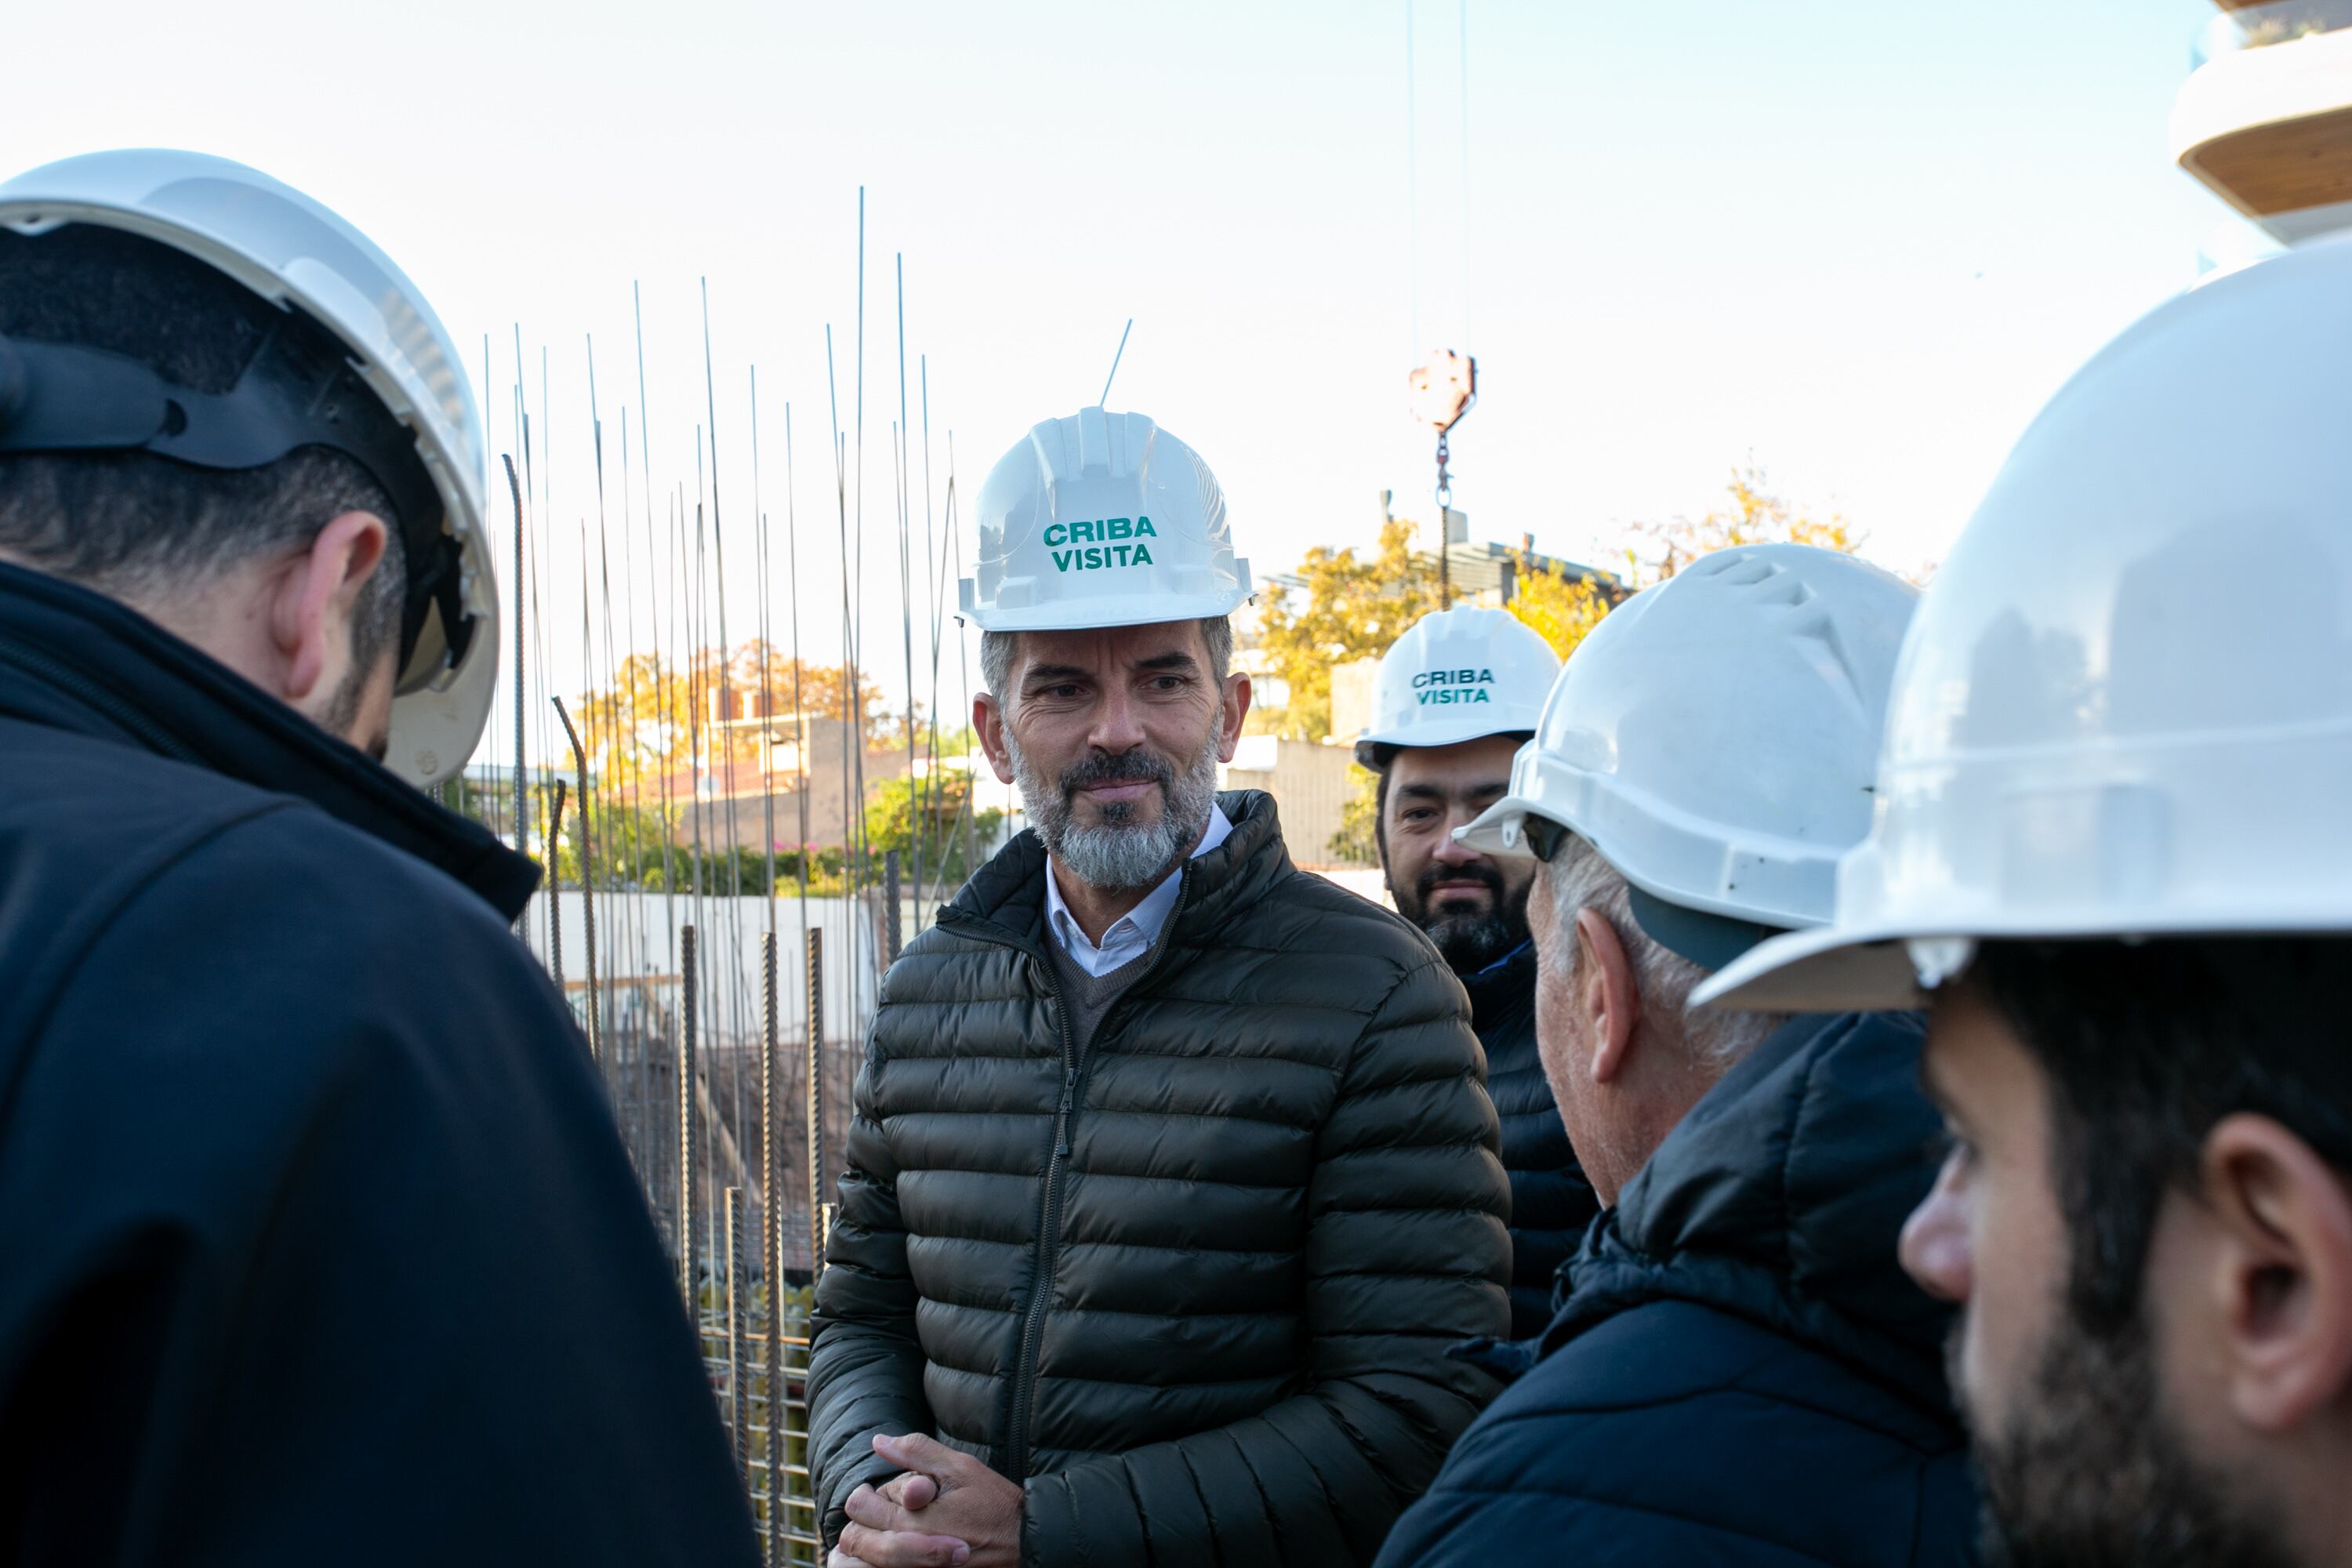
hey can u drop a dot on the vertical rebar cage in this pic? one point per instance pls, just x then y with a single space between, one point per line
722 1042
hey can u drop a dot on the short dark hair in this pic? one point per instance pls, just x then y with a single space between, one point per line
136 525
2147 1046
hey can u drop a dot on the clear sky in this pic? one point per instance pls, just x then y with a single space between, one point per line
1858 242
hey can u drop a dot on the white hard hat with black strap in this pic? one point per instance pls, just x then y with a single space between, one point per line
395 400
1713 739
1457 675
2125 710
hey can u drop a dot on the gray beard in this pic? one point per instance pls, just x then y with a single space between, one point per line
2092 1472
1119 852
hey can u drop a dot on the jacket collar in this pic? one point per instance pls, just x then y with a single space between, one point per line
78 661
1780 1199
1009 890
1505 991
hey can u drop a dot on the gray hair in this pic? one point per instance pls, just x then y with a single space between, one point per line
1578 878
996 651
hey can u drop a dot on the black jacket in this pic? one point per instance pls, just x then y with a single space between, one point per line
317 1243
1741 1373
1551 1203
1203 1316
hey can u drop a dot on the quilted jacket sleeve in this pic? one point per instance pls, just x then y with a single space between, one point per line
1406 1254
866 1366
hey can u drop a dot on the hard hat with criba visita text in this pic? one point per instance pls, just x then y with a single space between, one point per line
1457 675
1714 738
1100 520
2125 710
398 404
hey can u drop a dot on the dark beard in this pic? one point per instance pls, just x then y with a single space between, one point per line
2091 1474
1468 942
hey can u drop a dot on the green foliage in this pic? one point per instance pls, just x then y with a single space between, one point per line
1356 842
1355 606
937 806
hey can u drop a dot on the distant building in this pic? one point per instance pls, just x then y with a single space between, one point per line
1310 784
751 769
1488 573
2265 118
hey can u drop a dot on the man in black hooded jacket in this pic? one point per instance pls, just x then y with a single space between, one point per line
317 1243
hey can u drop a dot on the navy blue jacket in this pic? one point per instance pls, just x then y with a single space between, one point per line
1551 1203
1741 1372
317 1243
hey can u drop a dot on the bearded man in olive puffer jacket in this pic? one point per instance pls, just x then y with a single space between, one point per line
1156 1228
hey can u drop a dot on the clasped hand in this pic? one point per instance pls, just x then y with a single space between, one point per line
945 1510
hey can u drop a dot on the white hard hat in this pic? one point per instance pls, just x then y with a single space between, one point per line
1456 674
299 256
2126 707
1715 737
1101 519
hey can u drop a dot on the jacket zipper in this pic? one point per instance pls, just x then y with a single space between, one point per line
1049 1238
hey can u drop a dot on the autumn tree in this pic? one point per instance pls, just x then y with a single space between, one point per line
1564 608
821 690
1755 516
638 726
1355 606
1560 608
651 720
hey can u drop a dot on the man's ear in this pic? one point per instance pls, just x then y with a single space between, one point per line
2281 1271
988 724
1233 708
1606 992
313 596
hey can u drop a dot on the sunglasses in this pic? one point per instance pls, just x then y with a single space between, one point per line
1542 835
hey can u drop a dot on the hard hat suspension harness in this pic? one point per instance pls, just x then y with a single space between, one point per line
66 397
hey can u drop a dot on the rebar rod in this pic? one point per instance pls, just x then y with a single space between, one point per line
736 1432
901 436
555 891
816 1102
587 877
514 488
688 1161
772 1239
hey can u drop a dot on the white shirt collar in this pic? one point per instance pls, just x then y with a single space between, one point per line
1131 935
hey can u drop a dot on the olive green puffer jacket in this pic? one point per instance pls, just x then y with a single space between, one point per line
1271 1204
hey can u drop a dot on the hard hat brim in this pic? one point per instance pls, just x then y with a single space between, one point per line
1091 614
1496 831
1870 968
1823 970
1438 732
